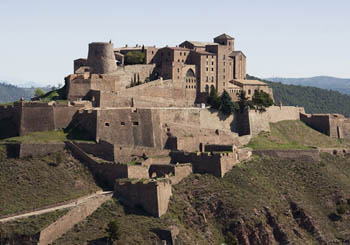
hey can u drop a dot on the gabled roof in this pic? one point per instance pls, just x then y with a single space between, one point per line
224 36
199 44
203 52
243 82
235 53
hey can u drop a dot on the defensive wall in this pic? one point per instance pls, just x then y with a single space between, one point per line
21 150
28 117
175 173
216 164
259 121
107 172
333 125
152 195
312 155
67 222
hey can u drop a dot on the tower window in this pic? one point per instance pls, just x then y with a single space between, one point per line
107 124
135 123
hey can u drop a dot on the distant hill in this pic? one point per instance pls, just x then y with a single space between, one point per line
339 84
314 100
10 93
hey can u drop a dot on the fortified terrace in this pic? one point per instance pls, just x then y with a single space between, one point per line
147 105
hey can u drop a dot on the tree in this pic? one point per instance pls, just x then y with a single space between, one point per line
134 57
39 92
214 99
243 101
227 106
262 100
113 231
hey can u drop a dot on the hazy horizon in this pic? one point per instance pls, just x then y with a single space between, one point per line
40 39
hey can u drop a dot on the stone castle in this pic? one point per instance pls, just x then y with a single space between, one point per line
151 112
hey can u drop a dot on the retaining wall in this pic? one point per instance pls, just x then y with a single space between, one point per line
74 216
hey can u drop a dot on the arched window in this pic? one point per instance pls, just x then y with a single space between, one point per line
207 88
190 73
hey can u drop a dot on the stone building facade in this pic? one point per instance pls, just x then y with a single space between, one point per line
192 67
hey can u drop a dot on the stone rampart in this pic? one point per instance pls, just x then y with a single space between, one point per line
319 122
152 195
311 155
22 150
102 149
108 172
126 154
74 216
216 164
175 172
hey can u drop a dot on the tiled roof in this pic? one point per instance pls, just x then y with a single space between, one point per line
201 44
235 53
249 82
224 36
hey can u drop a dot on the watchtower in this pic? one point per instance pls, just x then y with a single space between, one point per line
101 58
226 40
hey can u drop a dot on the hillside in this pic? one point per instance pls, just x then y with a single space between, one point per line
261 201
31 183
314 100
341 85
10 93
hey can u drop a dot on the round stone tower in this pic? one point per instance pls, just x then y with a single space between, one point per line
101 58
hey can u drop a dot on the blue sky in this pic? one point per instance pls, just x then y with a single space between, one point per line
289 38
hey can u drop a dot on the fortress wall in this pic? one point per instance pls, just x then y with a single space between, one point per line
77 87
86 120
105 82
277 114
215 164
137 172
219 147
153 196
320 122
126 154
345 130
126 127
139 72
63 115
39 149
10 121
102 150
36 118
108 172
161 170
258 121
67 222
312 155
181 172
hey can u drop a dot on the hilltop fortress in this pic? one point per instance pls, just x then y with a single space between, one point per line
148 105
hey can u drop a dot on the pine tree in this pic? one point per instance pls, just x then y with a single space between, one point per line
227 106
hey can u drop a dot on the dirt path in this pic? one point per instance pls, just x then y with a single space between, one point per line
59 207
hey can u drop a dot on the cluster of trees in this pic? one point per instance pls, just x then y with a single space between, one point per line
134 57
224 103
314 100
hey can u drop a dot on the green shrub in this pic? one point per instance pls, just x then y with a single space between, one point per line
341 208
113 231
134 57
39 92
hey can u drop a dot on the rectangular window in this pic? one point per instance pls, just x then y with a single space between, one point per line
178 69
122 123
207 69
180 53
207 79
212 63
135 123
212 69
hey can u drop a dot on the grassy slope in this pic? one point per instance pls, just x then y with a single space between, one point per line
294 135
31 183
31 225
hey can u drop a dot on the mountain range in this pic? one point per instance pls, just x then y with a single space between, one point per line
326 82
